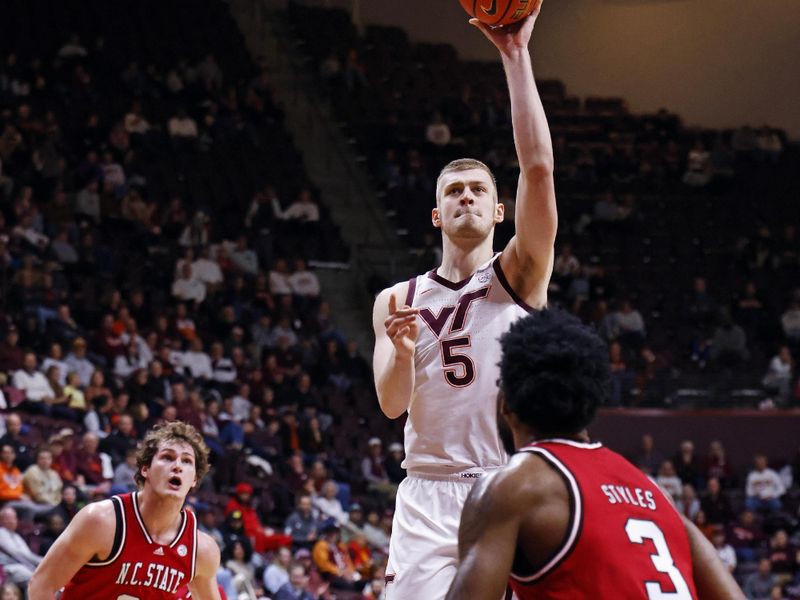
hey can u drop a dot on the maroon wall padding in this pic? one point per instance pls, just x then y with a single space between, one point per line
742 432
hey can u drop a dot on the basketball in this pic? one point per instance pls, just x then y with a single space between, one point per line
499 12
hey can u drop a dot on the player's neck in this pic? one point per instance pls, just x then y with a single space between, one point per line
461 258
161 515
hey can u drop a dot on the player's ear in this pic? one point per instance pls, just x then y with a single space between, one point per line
436 218
499 212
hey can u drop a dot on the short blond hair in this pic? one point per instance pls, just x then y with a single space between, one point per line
464 164
175 431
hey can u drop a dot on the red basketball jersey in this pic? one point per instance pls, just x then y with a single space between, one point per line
625 539
138 568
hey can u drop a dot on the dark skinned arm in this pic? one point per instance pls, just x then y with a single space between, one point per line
487 539
526 500
711 578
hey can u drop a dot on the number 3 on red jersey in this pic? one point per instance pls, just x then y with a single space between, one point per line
638 531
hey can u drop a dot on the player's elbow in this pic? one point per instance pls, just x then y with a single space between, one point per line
540 168
392 409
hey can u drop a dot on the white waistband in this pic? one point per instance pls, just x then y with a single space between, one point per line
470 476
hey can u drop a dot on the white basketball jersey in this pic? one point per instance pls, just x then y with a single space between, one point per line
452 417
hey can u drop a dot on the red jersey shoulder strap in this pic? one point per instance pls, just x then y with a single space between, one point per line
120 534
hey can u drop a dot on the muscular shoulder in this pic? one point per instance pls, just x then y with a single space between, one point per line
381 307
97 514
94 527
208 555
399 290
526 481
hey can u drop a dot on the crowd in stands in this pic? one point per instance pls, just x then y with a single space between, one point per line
679 244
151 269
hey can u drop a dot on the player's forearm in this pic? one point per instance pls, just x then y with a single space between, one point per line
531 132
395 385
40 590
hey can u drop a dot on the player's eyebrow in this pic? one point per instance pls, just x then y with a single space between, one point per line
475 182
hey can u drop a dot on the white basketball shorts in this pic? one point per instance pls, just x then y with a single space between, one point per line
423 550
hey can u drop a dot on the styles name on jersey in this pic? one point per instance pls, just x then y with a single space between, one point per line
155 575
622 494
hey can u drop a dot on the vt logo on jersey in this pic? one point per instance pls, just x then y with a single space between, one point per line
459 370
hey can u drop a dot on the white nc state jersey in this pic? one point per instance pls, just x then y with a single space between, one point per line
452 417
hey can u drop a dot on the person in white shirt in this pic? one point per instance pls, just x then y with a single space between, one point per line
302 209
329 505
438 132
31 381
243 258
566 264
73 48
724 550
182 126
197 361
279 279
129 362
277 573
187 287
131 335
630 323
87 202
56 359
303 282
240 405
207 270
134 122
17 559
668 481
764 487
77 361
790 321
779 374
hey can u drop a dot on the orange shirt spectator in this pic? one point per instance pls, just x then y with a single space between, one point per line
10 476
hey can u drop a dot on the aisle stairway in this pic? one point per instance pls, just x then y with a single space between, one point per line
377 254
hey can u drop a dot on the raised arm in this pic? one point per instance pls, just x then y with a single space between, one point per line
393 361
204 585
711 578
90 534
528 258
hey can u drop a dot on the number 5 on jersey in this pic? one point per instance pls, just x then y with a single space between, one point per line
459 370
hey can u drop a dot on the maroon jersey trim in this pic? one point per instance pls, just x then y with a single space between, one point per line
412 287
134 501
120 534
446 282
576 517
509 290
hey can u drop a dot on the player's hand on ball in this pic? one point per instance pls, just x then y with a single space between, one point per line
510 37
401 327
